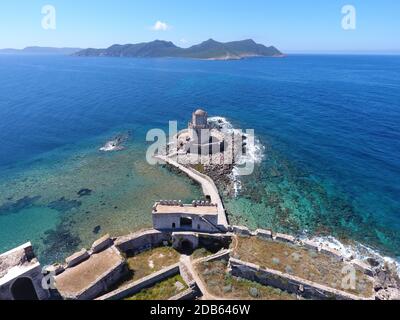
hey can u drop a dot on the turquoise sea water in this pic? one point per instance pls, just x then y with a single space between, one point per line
329 125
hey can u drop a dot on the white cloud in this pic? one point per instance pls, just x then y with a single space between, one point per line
160 26
183 40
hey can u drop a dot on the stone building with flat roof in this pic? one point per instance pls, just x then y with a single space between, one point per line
200 216
21 275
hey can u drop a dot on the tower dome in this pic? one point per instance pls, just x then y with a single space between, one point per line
200 112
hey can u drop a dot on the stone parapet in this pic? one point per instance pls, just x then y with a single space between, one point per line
77 258
284 238
101 244
240 230
142 240
134 287
263 234
289 283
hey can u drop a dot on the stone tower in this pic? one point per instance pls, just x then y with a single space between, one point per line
199 127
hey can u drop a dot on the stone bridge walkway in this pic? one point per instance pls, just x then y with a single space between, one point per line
207 184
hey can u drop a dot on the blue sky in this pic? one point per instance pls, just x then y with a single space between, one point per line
290 25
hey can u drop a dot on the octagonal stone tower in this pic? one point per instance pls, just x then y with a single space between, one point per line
199 127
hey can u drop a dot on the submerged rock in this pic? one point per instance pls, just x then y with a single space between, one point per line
18 205
64 205
59 242
115 144
96 229
84 192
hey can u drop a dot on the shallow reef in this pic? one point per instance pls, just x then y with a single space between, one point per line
64 205
58 243
18 205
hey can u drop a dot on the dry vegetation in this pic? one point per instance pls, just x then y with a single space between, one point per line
151 261
221 284
162 291
200 253
300 262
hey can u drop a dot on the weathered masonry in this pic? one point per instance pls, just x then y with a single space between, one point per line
200 216
21 275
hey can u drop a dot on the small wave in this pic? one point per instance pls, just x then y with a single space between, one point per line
116 143
356 251
254 152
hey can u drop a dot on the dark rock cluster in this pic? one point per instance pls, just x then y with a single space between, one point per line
18 205
64 205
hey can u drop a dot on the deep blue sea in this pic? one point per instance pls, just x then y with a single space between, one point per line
330 126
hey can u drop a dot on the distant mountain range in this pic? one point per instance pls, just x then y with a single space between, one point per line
41 50
210 50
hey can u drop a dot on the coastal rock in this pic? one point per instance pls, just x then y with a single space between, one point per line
363 267
84 192
388 294
386 278
96 229
331 252
373 262
116 143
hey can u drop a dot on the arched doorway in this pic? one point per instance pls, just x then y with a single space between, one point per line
186 247
23 289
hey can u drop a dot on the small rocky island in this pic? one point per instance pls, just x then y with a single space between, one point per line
207 148
115 144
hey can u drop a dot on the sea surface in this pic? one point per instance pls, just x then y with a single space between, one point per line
328 132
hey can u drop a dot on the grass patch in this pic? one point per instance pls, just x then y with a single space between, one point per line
201 253
151 261
300 262
221 284
162 290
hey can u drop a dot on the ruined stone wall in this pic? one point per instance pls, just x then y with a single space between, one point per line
142 240
143 283
104 284
281 237
284 281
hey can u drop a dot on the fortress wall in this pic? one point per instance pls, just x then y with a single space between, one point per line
142 240
223 254
308 244
103 284
135 287
283 281
189 294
